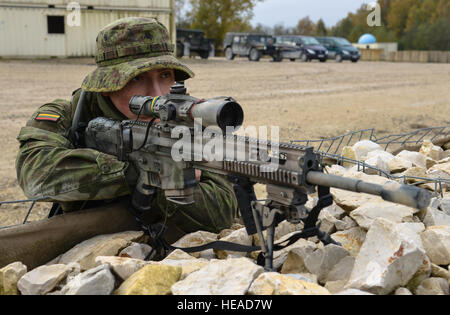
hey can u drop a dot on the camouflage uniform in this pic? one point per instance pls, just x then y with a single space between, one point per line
48 165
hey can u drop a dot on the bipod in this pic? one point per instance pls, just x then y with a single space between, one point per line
291 207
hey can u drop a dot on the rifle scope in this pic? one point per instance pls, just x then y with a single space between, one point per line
219 111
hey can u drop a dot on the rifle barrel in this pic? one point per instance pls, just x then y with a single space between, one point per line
407 195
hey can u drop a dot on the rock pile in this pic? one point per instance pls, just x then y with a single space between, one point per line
386 249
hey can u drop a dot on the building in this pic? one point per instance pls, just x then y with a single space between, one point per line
66 28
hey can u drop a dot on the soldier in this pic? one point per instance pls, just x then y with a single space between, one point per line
134 57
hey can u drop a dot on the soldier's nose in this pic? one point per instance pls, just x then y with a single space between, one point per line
155 88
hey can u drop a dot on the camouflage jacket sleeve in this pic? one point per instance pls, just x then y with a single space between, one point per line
48 165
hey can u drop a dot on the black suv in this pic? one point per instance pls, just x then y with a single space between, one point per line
310 48
253 46
193 41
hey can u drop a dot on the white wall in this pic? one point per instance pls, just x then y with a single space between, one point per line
23 31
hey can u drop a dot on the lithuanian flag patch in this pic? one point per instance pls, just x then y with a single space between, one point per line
48 117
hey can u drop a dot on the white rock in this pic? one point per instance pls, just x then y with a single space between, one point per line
416 158
327 222
345 224
304 277
342 270
435 217
283 229
436 241
398 164
444 205
363 147
279 257
196 239
439 272
424 272
431 150
443 170
353 292
323 260
335 211
221 277
348 153
9 276
179 254
367 213
239 237
188 266
433 286
42 279
385 156
379 159
351 239
102 245
402 291
272 283
336 170
136 251
295 257
388 258
377 162
96 281
124 267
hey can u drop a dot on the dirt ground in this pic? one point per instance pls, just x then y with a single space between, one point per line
306 100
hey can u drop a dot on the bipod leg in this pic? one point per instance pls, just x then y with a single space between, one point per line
268 266
265 219
258 224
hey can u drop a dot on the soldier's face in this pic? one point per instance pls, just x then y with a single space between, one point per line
152 83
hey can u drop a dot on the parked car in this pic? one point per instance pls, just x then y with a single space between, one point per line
340 49
189 41
253 46
308 48
290 50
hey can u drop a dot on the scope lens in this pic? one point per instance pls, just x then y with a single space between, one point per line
231 114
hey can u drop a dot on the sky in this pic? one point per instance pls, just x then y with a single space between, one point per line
289 12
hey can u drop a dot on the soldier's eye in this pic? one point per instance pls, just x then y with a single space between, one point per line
137 78
166 75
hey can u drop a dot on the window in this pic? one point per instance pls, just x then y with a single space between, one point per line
55 24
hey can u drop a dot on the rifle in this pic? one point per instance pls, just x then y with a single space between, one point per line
194 133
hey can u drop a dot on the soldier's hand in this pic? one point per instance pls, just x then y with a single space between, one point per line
198 174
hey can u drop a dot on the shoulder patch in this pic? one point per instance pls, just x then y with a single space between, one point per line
48 117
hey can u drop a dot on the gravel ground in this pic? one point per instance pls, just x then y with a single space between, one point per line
306 100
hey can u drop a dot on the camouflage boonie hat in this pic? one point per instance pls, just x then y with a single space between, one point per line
128 47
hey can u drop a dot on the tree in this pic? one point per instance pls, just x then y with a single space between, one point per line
305 26
343 28
262 29
219 17
321 29
279 29
398 15
181 19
